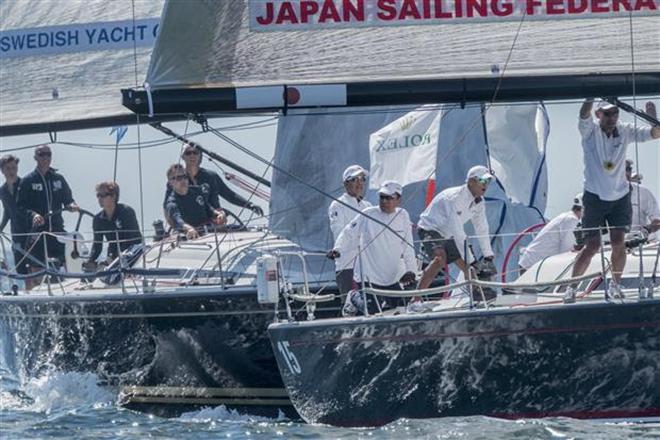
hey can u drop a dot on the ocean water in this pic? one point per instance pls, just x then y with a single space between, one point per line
74 406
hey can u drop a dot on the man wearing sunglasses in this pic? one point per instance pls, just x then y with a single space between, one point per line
210 182
187 205
354 178
441 225
43 194
116 222
607 201
385 257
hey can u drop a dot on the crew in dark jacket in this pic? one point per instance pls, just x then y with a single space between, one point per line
42 192
10 212
115 222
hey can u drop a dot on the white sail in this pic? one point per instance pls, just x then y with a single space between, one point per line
211 44
63 62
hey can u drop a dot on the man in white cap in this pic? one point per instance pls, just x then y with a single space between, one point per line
340 213
441 224
645 210
556 237
382 239
606 198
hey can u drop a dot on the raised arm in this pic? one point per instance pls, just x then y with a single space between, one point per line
587 106
651 111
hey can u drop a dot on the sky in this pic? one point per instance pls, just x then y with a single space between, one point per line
83 167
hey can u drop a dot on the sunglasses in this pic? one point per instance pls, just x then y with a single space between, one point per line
384 197
191 153
179 177
357 179
44 154
483 180
102 195
610 113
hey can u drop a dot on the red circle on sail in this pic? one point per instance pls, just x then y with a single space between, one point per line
292 96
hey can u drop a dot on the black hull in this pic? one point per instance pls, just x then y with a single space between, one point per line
203 348
582 361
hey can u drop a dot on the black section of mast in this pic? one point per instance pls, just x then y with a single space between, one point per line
414 92
211 154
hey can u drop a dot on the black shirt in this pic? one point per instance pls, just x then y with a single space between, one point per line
10 211
123 224
213 186
192 208
39 194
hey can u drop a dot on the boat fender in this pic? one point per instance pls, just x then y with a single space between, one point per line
267 280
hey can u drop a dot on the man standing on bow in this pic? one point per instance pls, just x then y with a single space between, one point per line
355 178
381 239
11 213
43 194
606 197
441 225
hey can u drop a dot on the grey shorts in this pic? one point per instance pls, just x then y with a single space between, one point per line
432 240
598 213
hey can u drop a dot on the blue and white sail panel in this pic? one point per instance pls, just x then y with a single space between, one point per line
63 62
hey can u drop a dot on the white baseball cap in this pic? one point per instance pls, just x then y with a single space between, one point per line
354 171
390 187
604 106
577 200
479 172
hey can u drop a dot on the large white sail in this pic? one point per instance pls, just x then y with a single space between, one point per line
211 44
63 62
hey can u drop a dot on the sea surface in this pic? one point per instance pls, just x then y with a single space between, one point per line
74 406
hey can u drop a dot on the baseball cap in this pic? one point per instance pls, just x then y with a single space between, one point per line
577 200
604 106
354 171
479 172
390 187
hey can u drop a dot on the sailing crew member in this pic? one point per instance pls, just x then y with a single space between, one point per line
43 194
607 200
385 255
116 222
210 182
187 205
556 237
645 209
354 178
11 213
441 225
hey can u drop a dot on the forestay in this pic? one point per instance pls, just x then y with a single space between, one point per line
63 62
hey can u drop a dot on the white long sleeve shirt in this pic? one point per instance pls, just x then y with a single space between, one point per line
599 149
340 216
450 210
385 257
644 206
555 238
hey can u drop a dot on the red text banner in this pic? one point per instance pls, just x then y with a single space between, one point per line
285 15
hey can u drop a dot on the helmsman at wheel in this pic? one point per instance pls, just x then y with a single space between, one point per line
441 225
354 179
607 200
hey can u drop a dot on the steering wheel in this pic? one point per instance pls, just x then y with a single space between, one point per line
81 212
238 224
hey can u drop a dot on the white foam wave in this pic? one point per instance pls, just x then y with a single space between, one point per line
58 391
221 413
